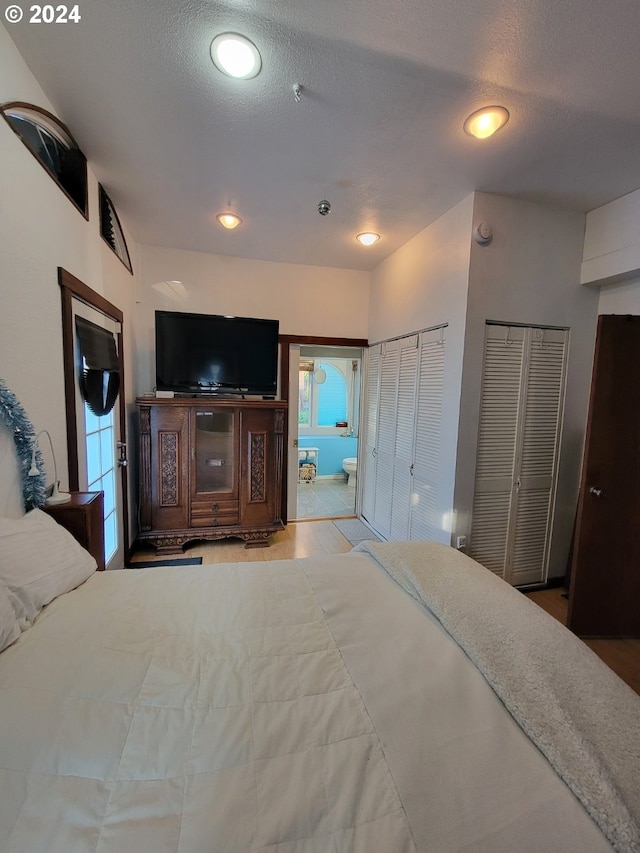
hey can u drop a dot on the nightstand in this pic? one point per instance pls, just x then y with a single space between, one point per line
82 516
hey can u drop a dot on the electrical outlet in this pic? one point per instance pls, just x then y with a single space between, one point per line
461 542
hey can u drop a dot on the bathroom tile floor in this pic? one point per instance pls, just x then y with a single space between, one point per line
326 498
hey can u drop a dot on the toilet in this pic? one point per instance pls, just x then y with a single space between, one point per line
349 466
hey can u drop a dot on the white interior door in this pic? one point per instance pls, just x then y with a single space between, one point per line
100 449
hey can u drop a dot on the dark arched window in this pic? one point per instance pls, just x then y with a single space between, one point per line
111 230
53 146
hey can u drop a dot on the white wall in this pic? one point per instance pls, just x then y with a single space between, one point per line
529 274
306 300
424 284
620 298
41 230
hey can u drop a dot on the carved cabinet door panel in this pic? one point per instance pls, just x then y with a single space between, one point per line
169 467
261 448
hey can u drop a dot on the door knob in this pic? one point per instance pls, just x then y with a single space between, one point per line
595 492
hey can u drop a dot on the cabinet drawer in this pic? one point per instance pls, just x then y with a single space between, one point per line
212 513
216 520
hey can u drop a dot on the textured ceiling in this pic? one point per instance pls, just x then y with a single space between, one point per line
386 86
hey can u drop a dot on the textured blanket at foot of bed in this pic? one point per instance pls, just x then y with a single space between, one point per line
580 715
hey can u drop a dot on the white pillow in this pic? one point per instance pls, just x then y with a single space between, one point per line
40 560
9 628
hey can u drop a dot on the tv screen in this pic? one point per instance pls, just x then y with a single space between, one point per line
210 354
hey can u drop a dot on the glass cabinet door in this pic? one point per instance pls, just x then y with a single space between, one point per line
214 451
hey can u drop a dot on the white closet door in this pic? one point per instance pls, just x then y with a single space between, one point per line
404 418
518 441
367 459
404 438
385 441
540 429
496 454
423 518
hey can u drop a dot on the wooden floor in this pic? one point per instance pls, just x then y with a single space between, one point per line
310 538
298 539
623 656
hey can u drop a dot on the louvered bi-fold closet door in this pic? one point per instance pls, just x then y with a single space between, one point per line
538 455
390 407
425 516
496 453
368 458
385 438
404 438
518 441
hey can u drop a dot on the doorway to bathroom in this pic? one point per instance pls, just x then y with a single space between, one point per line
324 420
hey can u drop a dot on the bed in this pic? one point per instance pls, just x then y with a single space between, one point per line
398 698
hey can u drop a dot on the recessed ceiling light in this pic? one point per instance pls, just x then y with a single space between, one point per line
235 55
367 238
486 122
229 220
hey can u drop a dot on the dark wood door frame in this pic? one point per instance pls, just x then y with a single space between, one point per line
70 288
285 342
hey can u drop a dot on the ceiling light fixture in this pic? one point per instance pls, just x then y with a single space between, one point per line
367 238
171 289
236 56
229 220
485 122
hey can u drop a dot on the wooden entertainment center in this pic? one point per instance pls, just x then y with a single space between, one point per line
210 469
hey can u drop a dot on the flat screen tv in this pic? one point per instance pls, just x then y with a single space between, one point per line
210 354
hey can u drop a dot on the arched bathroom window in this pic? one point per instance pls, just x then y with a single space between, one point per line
53 147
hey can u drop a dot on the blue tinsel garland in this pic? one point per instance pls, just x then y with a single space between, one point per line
15 418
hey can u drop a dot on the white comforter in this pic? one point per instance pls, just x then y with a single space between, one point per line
299 706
